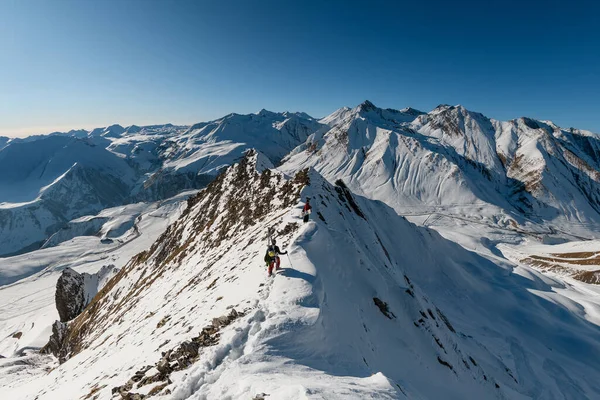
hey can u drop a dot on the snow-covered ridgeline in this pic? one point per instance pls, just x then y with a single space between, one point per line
367 306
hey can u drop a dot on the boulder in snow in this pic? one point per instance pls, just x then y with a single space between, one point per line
69 296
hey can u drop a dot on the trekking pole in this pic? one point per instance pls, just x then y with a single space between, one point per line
290 260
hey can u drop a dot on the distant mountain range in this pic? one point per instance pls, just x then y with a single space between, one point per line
514 173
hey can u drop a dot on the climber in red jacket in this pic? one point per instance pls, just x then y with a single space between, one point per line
306 210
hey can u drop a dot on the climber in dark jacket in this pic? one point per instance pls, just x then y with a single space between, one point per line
272 256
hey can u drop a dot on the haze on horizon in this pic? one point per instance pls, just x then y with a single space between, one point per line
72 64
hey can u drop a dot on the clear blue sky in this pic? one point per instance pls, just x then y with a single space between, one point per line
69 64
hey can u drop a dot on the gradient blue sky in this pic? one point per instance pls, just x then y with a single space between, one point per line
70 64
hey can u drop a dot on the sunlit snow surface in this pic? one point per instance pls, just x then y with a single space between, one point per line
313 331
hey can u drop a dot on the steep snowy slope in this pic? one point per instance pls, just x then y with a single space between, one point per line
366 306
462 163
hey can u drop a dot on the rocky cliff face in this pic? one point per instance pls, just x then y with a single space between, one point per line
59 330
70 297
74 291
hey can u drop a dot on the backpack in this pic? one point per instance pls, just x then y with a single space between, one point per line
270 254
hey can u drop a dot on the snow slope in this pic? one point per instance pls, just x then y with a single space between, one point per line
367 306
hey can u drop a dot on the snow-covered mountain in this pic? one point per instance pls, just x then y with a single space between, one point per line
460 163
28 281
367 305
223 141
47 181
457 163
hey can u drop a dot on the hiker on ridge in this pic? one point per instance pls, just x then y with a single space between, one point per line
272 256
306 210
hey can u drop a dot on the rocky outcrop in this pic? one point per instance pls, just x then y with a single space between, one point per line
59 332
70 296
175 360
74 291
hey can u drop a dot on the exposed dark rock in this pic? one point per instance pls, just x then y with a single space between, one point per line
176 359
158 388
367 106
466 364
55 344
162 322
531 123
439 343
345 195
444 363
321 217
445 319
190 348
387 254
69 296
383 307
288 229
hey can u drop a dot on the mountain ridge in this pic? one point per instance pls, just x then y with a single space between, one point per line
359 310
477 160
